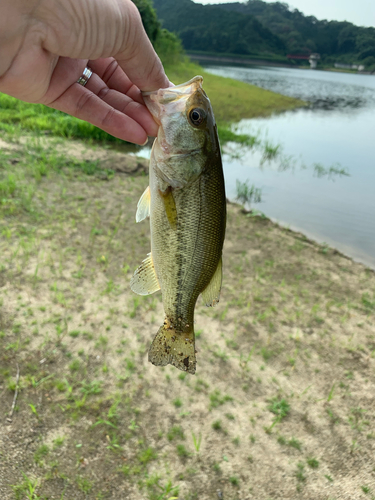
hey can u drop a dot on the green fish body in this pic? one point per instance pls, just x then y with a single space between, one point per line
187 208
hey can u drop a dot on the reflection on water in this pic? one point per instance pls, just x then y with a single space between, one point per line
336 131
322 89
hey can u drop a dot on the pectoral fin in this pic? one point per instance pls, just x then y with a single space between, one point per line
144 280
143 206
211 293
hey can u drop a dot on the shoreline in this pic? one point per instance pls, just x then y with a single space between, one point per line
264 62
314 238
309 237
226 59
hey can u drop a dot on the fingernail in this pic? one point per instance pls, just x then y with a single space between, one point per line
144 144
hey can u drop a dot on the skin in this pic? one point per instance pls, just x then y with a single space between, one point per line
46 44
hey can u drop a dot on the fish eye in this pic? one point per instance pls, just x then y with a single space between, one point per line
197 115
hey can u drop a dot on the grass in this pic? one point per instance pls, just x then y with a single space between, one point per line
292 442
300 473
16 115
41 453
312 462
182 451
247 194
217 426
26 489
281 409
217 399
176 432
234 481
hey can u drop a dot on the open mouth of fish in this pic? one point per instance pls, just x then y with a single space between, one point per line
182 91
173 97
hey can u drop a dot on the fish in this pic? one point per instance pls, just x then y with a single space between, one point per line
186 204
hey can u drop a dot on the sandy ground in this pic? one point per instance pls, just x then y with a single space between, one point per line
281 406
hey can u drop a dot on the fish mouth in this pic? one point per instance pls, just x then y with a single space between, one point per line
172 100
170 94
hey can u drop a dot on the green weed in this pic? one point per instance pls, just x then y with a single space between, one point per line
312 462
234 481
246 194
177 402
197 441
27 489
58 442
156 491
217 426
84 485
147 455
34 410
368 302
182 452
300 474
216 399
281 409
40 453
176 432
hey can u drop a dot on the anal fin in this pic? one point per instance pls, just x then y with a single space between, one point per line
144 280
211 294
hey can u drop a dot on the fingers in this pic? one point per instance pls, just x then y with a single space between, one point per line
97 103
123 102
113 75
80 102
137 57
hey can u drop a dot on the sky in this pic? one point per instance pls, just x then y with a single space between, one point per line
360 12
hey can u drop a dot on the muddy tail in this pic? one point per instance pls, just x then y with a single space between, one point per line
175 348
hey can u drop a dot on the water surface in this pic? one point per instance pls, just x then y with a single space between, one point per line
337 128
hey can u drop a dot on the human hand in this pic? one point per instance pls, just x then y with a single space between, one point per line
46 44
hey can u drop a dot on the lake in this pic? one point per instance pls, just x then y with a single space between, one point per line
337 129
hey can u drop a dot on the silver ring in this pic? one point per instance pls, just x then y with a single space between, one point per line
82 80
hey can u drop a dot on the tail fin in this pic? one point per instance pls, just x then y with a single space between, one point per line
175 348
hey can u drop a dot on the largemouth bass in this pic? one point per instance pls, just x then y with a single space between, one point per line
187 208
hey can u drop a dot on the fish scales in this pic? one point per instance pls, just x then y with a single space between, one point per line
187 209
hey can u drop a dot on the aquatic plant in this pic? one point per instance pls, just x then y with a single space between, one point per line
247 194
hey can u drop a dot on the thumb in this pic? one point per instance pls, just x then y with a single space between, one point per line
137 56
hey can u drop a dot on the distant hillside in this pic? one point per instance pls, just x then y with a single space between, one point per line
304 34
210 28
